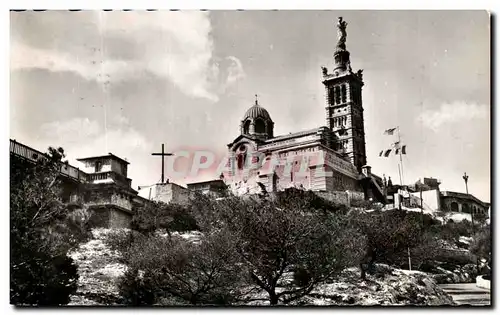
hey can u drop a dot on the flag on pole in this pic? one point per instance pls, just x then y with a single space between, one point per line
390 131
403 149
387 152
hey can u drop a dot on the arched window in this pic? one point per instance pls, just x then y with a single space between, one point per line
331 96
337 95
246 127
454 207
270 129
344 93
466 208
241 160
260 126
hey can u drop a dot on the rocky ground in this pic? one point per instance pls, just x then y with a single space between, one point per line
392 287
100 269
388 287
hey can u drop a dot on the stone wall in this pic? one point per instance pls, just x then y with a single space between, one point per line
109 217
99 217
180 195
119 219
121 200
356 195
169 192
339 197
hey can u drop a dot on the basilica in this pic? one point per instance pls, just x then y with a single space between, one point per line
326 158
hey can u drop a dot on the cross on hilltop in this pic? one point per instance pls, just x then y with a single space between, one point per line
163 155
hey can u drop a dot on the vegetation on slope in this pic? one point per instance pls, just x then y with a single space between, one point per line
42 231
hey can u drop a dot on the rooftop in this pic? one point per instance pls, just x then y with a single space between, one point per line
464 196
294 135
109 155
206 182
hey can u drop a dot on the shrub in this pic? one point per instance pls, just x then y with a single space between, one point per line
453 230
390 234
42 230
170 267
366 204
154 216
122 241
138 290
42 280
481 245
308 201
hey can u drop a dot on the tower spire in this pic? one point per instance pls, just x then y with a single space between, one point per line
256 100
344 110
341 55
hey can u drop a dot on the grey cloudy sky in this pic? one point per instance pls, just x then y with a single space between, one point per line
124 82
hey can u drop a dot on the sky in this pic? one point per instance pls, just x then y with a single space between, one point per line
95 82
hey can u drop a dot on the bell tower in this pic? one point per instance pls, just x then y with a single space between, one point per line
344 104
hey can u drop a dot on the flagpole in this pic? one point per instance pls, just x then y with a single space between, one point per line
401 176
400 180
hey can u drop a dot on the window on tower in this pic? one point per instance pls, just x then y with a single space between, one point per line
337 95
354 94
344 93
331 96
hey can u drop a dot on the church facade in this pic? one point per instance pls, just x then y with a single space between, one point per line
327 158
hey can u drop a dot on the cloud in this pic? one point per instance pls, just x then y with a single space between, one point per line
452 113
235 71
82 137
113 46
71 131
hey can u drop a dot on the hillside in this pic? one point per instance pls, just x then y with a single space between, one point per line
100 269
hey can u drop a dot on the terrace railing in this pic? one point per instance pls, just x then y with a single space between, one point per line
35 156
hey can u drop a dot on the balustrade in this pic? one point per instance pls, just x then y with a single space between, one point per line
33 155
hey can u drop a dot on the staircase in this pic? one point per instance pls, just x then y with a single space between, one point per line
468 294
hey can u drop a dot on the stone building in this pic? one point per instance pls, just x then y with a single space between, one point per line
326 158
101 185
428 194
459 202
216 188
165 192
108 190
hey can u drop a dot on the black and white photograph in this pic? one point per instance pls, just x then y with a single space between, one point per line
250 158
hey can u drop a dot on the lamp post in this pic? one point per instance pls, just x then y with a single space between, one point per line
466 179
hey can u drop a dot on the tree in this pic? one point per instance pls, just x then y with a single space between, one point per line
481 245
306 199
390 234
42 230
192 273
288 249
154 216
480 218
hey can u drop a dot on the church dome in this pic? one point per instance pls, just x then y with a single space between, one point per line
257 111
257 122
